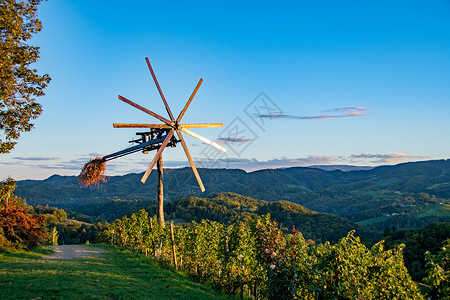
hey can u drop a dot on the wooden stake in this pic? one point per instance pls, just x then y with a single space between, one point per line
153 240
173 247
160 211
54 236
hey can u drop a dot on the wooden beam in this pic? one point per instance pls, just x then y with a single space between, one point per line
162 119
203 139
137 125
191 162
160 210
159 90
189 101
144 125
201 125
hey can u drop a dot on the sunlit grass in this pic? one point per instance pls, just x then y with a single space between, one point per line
117 274
372 221
436 210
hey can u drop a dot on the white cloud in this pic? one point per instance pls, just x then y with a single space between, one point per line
392 158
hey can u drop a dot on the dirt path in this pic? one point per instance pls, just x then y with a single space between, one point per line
73 251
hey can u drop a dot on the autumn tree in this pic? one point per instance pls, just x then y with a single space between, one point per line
20 83
18 228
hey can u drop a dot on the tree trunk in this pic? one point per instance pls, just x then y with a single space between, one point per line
160 211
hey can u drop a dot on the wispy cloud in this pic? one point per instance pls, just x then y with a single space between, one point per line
254 164
341 112
97 154
392 158
75 164
131 165
36 158
231 140
350 108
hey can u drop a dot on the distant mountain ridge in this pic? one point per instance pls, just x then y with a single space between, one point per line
347 194
345 168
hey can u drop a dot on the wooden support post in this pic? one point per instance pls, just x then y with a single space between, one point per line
160 210
54 236
153 239
173 247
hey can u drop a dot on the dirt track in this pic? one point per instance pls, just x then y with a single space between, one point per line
73 251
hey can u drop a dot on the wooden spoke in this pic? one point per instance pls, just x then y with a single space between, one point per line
145 125
134 125
191 162
162 119
159 90
201 125
155 159
203 139
189 101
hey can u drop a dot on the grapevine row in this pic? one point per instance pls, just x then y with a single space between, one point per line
257 260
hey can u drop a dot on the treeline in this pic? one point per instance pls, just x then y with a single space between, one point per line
408 222
258 259
112 209
68 231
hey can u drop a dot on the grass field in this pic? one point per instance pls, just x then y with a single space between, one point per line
426 211
372 221
116 274
436 210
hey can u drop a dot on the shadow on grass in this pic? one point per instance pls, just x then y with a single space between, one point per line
115 274
33 253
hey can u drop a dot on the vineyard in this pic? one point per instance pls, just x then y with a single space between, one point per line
258 261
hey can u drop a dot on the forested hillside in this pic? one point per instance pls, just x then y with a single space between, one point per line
228 208
407 195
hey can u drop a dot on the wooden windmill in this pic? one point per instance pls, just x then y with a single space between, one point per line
160 136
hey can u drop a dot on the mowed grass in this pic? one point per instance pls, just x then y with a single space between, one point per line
372 221
116 274
437 210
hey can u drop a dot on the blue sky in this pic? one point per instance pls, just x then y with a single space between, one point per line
296 83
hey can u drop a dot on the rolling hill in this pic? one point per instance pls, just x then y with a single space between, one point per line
358 195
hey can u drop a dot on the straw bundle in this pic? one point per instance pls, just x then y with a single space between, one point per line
93 173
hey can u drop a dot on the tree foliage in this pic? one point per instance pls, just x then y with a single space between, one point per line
20 83
18 228
438 269
418 242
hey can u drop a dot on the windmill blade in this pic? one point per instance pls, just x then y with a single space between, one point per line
159 89
155 159
134 125
203 139
189 101
201 125
145 125
162 119
191 162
